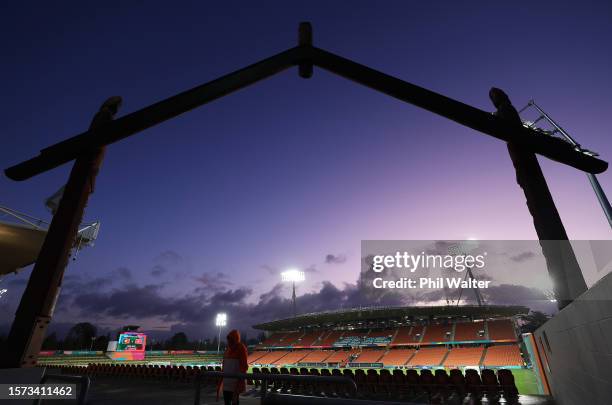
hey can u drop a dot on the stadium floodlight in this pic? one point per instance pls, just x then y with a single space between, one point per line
293 276
220 321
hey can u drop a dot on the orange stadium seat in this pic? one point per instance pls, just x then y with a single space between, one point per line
289 338
382 333
397 357
317 356
293 357
369 356
329 339
255 356
428 356
469 331
340 356
271 357
437 333
272 340
501 330
408 335
503 355
464 356
308 339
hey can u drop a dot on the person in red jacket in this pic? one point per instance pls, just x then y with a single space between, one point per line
234 361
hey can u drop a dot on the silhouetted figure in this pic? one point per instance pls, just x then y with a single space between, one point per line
234 361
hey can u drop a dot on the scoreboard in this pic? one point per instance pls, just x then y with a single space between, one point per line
132 343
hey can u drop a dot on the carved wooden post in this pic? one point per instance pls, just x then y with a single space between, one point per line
562 265
40 296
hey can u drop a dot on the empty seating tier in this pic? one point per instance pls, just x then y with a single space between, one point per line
369 356
293 357
428 356
255 356
271 357
464 356
469 331
397 357
308 339
437 333
272 340
317 356
329 339
340 356
501 330
503 355
408 336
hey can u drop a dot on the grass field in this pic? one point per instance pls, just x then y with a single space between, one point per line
526 382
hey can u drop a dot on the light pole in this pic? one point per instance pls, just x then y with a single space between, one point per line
293 276
221 321
93 339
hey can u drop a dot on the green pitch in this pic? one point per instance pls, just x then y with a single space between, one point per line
526 382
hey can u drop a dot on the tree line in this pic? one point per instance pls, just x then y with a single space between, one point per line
84 336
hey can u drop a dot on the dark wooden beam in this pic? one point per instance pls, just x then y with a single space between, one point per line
65 151
485 122
302 56
40 296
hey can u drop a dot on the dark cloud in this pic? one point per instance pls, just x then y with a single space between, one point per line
335 259
231 297
168 257
522 257
270 269
311 269
135 301
124 273
212 282
158 270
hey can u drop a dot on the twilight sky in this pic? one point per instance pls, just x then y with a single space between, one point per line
202 212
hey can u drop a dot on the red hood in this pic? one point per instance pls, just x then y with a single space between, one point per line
233 338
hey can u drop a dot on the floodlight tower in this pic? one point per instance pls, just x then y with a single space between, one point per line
293 276
221 321
461 249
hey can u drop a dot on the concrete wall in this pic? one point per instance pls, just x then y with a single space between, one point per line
576 348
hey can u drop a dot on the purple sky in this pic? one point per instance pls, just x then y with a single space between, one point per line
288 171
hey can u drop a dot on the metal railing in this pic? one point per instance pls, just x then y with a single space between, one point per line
264 378
82 380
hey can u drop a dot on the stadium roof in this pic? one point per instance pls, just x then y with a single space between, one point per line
19 246
22 236
365 317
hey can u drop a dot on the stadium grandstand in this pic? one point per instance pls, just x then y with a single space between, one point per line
410 353
398 337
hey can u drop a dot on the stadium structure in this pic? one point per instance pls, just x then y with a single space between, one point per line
398 337
416 354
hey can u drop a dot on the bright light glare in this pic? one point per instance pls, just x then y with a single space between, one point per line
4 290
221 319
293 275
